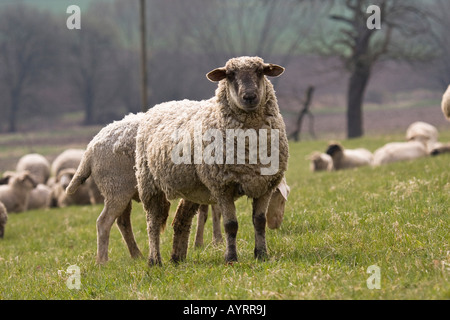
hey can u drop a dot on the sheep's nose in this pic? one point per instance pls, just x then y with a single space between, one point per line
249 97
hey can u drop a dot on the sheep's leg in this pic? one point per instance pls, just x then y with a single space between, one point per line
217 233
157 209
228 209
124 224
259 223
202 216
181 229
109 214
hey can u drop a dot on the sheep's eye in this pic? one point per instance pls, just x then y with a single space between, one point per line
259 73
231 75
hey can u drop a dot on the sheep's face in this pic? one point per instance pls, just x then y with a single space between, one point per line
245 77
25 180
334 149
65 176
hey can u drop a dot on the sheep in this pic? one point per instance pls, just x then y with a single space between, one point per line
423 132
109 161
67 159
37 165
399 151
40 197
320 162
16 193
274 215
3 219
244 103
443 148
348 158
445 105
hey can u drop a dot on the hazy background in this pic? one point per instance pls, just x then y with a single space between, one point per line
53 78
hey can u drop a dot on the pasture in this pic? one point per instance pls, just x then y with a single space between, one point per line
336 225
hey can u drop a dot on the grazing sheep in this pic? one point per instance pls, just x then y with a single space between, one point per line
320 162
16 193
40 197
109 160
67 159
245 100
423 132
37 165
3 219
274 215
446 103
348 158
399 151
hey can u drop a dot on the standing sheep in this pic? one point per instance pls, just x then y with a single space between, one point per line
445 105
244 104
37 165
347 158
15 195
3 219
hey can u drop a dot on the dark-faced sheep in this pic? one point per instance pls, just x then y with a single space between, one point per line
245 103
348 158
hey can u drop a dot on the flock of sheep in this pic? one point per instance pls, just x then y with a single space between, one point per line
131 160
421 141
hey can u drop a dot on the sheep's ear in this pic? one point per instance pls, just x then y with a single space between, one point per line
217 74
273 70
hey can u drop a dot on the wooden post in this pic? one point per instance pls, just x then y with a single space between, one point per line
143 59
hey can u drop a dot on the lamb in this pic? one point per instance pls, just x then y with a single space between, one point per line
40 197
109 161
320 162
399 151
445 105
423 132
3 219
244 105
16 193
274 215
37 165
348 158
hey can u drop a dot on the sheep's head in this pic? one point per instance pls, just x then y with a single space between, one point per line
334 149
65 176
245 78
24 180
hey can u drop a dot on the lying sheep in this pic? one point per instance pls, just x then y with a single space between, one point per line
443 148
15 195
3 219
40 197
244 100
320 162
109 161
274 215
445 105
423 132
399 151
348 158
37 165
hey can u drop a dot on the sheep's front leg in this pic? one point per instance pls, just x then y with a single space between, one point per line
259 223
230 223
181 228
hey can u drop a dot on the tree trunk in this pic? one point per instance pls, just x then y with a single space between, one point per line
13 113
355 96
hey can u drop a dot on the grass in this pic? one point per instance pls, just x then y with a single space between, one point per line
336 225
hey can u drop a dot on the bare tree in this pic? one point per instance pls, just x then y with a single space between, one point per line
305 112
360 47
28 47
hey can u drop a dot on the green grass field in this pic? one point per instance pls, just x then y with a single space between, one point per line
336 226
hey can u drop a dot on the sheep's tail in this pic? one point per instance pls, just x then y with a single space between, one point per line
83 172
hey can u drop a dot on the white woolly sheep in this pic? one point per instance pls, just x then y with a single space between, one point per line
423 132
37 165
274 215
245 100
445 105
3 219
320 162
40 197
67 159
399 151
348 158
109 160
15 195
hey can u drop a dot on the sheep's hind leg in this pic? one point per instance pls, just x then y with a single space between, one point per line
216 217
157 209
202 216
124 224
109 214
181 228
259 223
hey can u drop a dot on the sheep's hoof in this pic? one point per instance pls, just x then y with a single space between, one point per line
154 262
230 258
261 255
175 259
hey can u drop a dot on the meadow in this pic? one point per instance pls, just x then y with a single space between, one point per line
336 226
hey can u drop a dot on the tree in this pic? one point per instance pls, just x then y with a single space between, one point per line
28 48
360 47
